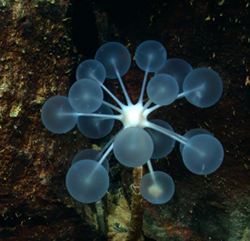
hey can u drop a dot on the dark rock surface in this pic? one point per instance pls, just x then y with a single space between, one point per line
41 43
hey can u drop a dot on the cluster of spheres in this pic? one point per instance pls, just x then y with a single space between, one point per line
140 140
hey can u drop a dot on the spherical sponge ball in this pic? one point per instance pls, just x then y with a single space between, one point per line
87 181
58 115
203 154
133 147
150 55
202 87
115 58
157 187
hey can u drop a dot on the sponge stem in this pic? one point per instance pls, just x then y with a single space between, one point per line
137 209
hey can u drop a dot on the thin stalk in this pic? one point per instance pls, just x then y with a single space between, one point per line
112 106
153 109
123 87
169 133
151 170
181 95
143 86
106 153
197 89
102 159
112 95
106 146
149 102
117 117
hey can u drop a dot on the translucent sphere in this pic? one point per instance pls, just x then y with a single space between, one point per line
85 96
150 55
87 181
96 127
114 56
162 89
157 187
90 154
192 133
57 115
177 68
203 154
133 147
91 69
163 144
202 87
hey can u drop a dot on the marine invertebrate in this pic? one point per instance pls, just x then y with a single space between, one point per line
140 139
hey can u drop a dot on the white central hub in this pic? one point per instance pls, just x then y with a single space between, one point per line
134 115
